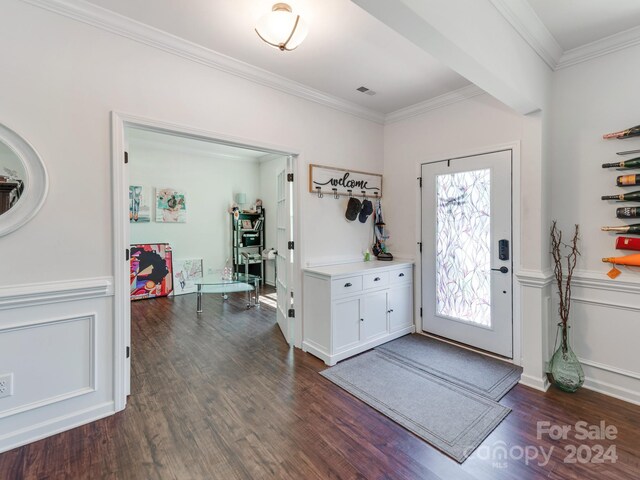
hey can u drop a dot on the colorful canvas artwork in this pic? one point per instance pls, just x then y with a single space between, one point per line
151 272
171 206
185 272
139 209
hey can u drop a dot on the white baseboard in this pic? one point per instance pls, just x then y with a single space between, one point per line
612 390
538 383
55 425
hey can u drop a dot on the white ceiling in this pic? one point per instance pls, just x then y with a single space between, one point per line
347 48
574 23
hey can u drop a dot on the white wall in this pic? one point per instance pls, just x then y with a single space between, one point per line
590 99
65 114
210 183
269 170
465 127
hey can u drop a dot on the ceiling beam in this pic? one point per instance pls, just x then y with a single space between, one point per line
474 39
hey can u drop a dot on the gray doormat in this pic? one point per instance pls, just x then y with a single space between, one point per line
450 418
473 371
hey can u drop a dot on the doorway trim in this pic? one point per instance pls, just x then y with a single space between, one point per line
120 224
516 236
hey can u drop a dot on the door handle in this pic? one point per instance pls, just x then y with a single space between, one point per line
501 270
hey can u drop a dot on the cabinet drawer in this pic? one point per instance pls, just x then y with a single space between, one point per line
402 275
345 286
374 280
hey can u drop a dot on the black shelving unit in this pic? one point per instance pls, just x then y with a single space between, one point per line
248 240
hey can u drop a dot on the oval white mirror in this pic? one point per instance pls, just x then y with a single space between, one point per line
23 181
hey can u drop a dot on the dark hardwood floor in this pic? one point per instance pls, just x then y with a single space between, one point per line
221 396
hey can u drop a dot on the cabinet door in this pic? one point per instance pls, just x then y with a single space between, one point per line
346 324
374 316
400 307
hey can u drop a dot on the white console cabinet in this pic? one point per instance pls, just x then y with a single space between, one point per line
353 307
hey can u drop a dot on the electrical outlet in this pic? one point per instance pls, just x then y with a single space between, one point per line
6 385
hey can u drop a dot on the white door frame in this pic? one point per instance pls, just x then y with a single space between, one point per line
516 237
121 240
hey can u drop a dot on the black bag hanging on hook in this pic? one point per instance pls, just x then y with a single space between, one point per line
353 209
367 209
379 249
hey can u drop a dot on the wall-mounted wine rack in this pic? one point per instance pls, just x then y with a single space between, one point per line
627 212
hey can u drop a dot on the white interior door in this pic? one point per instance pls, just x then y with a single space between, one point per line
284 256
466 262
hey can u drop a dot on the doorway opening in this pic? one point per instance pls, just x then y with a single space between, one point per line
200 215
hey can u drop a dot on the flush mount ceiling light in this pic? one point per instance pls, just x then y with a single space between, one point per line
281 28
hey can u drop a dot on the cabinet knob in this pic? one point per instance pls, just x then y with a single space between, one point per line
377 279
362 319
347 285
401 275
390 311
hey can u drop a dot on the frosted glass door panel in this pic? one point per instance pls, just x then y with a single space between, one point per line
463 248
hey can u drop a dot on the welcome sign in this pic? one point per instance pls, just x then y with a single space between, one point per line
339 181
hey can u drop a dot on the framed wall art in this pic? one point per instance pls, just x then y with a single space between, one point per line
151 270
171 205
340 181
139 209
185 272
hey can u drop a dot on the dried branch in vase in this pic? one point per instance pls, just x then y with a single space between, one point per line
563 280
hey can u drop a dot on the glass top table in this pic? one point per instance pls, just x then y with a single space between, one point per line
239 282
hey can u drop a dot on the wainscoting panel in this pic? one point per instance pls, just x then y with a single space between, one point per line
57 341
605 331
66 373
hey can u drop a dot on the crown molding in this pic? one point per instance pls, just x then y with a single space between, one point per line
604 46
115 23
528 25
449 98
526 22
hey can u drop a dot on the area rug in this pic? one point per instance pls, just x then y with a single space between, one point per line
483 375
452 419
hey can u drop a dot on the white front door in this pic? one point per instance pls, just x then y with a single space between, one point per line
467 251
284 256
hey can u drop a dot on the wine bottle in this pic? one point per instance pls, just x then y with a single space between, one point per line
627 180
629 132
633 163
627 152
633 259
628 243
624 197
628 212
635 229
